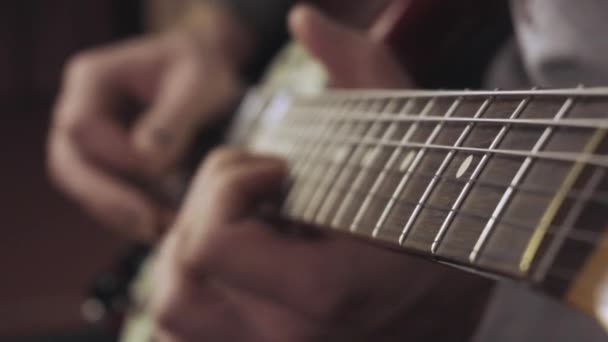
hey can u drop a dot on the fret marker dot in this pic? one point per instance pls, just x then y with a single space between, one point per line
407 161
464 166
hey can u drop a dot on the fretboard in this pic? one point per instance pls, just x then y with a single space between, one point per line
497 181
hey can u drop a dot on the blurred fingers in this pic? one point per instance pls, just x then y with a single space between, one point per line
351 57
84 115
185 308
231 184
106 198
191 93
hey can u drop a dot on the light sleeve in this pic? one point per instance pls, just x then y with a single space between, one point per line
557 43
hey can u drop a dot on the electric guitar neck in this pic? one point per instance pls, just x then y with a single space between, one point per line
505 183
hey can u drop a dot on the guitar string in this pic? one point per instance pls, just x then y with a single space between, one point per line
407 94
368 94
583 236
368 116
394 117
601 197
357 115
358 139
399 227
481 150
573 157
326 159
597 198
572 123
360 192
575 234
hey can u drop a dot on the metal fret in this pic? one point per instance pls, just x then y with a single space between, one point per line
556 202
440 170
391 161
514 183
433 180
349 197
403 181
317 169
513 158
303 160
569 221
325 145
344 174
471 181
342 155
374 93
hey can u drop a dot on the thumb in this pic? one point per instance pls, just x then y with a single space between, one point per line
352 58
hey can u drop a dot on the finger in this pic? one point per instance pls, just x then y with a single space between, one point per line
220 159
251 256
111 201
186 309
192 92
351 58
231 184
85 114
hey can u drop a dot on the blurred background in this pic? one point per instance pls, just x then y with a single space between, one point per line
49 251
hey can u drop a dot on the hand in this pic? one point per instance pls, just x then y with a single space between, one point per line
94 154
225 274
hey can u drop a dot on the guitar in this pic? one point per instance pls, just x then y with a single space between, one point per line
507 184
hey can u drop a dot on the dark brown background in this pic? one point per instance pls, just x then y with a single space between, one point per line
49 250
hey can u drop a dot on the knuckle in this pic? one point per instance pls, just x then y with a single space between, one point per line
164 317
217 155
82 64
220 157
164 306
71 125
196 252
226 184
